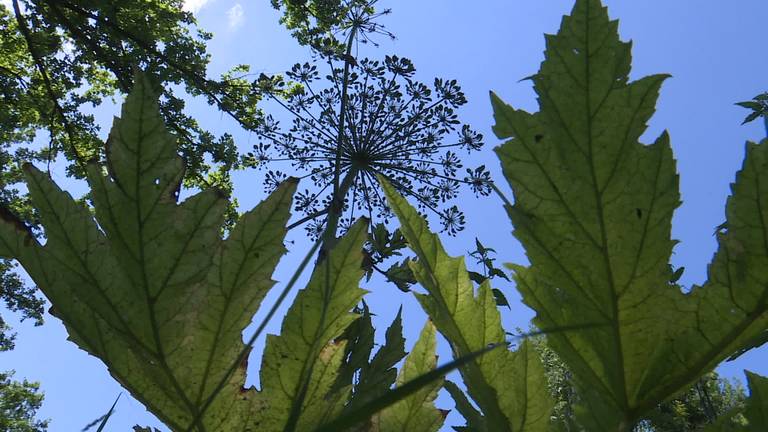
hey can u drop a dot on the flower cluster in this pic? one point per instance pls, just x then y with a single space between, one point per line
392 125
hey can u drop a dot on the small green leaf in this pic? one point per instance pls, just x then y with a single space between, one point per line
758 105
750 105
677 274
417 412
401 275
476 277
501 299
498 272
474 419
301 365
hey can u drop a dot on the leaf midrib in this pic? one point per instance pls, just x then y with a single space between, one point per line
145 279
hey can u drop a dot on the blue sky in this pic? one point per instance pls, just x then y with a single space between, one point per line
715 53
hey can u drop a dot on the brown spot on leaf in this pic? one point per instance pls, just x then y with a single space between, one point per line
8 216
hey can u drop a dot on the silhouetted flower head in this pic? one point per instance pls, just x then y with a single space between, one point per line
394 126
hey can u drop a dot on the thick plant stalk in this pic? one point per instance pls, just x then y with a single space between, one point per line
339 189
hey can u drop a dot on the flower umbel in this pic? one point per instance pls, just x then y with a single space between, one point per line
394 126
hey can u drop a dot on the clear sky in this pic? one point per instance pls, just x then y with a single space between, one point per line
716 54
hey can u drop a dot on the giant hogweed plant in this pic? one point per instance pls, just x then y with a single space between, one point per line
593 209
149 286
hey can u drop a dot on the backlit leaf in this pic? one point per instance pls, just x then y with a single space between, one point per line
152 289
301 365
593 209
417 412
756 410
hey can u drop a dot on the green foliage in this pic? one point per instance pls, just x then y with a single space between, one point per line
758 105
19 401
416 412
17 298
482 256
310 20
152 287
61 58
381 246
317 23
593 209
301 365
710 399
750 417
707 400
509 387
156 293
52 50
118 290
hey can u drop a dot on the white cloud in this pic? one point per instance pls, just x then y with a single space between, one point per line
235 16
194 6
8 4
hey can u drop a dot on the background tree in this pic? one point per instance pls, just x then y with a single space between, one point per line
692 410
19 402
320 23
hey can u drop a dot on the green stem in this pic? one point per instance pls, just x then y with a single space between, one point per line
339 189
343 108
334 212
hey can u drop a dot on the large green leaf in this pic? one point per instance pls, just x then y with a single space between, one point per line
301 366
593 209
417 412
153 290
508 387
150 287
756 410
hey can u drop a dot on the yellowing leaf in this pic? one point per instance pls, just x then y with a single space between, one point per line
593 209
417 412
510 396
152 289
301 365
